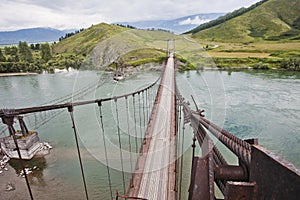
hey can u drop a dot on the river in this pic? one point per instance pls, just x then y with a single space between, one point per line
249 104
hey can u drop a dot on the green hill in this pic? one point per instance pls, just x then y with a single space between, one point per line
104 44
266 20
85 41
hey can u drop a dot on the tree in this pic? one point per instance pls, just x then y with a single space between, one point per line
37 46
292 63
2 57
7 50
32 46
12 54
46 52
11 51
24 52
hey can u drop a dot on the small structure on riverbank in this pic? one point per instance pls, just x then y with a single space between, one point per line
118 76
22 144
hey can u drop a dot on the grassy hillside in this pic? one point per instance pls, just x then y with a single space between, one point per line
272 20
104 44
85 41
225 18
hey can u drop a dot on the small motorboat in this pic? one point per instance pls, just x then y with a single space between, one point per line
118 76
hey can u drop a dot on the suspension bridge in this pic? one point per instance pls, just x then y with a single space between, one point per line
155 138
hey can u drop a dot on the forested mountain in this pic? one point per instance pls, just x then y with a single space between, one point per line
266 20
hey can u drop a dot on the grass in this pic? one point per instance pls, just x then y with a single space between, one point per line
85 41
143 56
260 55
255 49
130 47
257 63
273 20
239 55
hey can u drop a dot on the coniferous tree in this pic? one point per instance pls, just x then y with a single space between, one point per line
32 47
12 54
7 50
37 46
46 52
2 57
24 52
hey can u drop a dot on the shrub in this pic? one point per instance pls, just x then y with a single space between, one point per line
261 65
291 64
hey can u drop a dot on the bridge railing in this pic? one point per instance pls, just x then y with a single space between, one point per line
137 105
260 174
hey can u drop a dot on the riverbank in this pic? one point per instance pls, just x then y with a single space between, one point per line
18 74
257 55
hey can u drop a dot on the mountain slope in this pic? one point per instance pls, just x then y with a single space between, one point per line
272 20
102 45
85 41
31 35
179 25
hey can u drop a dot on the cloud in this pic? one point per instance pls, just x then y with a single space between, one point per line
195 21
32 15
16 14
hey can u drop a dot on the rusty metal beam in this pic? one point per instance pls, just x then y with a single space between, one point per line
266 175
275 177
202 177
240 190
200 186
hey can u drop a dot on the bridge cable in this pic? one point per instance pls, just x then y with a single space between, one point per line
143 96
140 120
22 166
120 144
150 101
70 97
105 149
129 138
135 128
178 129
181 159
71 109
147 105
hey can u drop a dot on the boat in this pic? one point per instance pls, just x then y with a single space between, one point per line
119 73
118 76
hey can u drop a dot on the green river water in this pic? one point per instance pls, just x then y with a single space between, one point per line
249 104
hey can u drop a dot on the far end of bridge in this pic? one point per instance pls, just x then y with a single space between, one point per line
155 175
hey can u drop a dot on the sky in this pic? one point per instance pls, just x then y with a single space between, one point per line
69 14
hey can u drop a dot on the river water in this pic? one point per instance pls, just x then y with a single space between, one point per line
249 104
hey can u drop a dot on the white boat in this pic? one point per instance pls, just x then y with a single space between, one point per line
118 76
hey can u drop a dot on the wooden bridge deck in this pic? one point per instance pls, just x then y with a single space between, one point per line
155 177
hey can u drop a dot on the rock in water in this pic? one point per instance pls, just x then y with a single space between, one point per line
10 187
